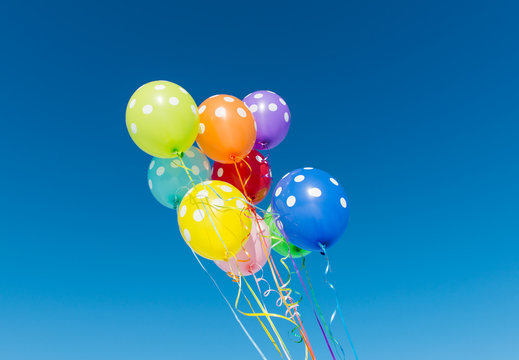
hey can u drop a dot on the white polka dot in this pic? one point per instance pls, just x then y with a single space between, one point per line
173 100
201 128
152 164
220 112
343 202
287 117
195 169
175 163
198 215
194 110
308 168
278 191
282 101
299 178
258 96
334 182
315 192
202 194
239 204
225 188
134 128
241 112
190 154
159 87
259 159
273 107
182 89
187 235
132 103
291 201
228 99
217 202
160 171
219 172
206 165
252 108
183 211
150 184
201 109
147 109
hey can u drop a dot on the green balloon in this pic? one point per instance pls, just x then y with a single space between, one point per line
162 119
279 243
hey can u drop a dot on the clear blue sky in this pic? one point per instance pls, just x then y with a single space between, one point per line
413 106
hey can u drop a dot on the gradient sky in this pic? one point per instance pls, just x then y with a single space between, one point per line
413 106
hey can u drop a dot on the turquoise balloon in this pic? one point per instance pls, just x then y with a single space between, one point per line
168 180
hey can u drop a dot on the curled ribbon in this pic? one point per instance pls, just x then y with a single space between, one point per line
337 304
230 307
238 280
285 300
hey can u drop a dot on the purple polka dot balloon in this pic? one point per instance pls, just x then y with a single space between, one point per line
272 118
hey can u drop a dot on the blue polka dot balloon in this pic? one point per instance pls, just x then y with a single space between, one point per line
168 180
312 208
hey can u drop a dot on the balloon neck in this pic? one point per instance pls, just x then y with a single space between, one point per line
253 268
228 256
323 249
235 159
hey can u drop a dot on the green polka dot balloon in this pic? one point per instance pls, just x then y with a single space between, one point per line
279 243
162 119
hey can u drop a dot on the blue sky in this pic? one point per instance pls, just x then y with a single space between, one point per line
413 106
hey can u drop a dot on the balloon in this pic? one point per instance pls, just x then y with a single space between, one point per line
252 257
227 129
214 220
162 119
254 172
272 118
169 182
312 208
279 244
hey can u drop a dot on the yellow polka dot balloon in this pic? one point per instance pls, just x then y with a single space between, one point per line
162 119
214 220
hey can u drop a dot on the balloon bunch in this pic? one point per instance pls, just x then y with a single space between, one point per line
216 205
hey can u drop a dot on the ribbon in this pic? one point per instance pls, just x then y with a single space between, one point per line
337 306
313 307
230 307
274 271
265 313
310 299
285 299
279 301
321 316
264 309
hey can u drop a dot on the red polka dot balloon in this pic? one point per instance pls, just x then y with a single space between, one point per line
253 172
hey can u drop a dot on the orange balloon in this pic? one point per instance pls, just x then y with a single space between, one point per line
227 129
